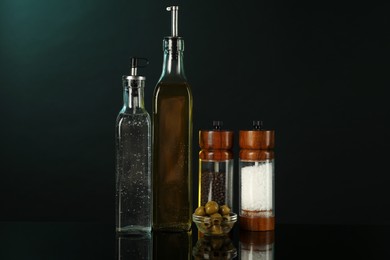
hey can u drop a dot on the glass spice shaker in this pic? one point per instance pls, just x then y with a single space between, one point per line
216 166
257 188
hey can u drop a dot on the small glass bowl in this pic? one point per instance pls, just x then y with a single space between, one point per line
214 226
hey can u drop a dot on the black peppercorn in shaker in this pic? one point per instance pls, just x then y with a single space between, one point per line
216 166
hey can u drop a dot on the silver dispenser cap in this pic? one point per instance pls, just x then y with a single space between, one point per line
134 80
134 68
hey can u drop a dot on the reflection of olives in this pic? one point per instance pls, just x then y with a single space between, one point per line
200 211
224 210
214 247
211 207
216 243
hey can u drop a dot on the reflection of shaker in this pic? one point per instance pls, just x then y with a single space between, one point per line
214 247
257 245
257 200
172 245
134 247
216 166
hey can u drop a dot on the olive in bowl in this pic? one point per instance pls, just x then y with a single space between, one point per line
214 220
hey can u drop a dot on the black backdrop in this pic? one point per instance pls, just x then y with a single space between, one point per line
315 72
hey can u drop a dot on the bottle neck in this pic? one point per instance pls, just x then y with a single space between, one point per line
133 97
173 65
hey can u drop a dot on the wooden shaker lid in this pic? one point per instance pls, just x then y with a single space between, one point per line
257 144
258 138
216 138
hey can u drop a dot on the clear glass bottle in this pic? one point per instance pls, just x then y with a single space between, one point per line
216 166
257 187
172 139
133 159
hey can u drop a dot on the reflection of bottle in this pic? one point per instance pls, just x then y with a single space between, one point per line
172 245
134 247
257 245
257 200
133 158
172 138
216 166
214 247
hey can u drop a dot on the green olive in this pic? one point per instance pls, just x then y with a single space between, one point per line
206 224
200 211
224 210
216 215
216 230
211 207
216 219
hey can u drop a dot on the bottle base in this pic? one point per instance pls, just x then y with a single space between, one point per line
133 231
174 227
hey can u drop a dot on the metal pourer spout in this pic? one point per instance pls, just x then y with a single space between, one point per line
135 66
134 80
174 14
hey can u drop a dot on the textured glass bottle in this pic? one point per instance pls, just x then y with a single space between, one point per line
172 139
133 159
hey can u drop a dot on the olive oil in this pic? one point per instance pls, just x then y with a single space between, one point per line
172 140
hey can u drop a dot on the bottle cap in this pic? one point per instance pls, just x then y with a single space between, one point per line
173 44
135 80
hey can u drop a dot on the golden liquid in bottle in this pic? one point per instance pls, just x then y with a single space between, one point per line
172 142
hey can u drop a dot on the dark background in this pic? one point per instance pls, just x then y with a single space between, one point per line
316 72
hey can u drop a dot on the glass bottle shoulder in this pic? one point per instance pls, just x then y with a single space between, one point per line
173 88
137 116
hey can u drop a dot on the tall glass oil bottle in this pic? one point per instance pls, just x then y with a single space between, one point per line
133 159
172 139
